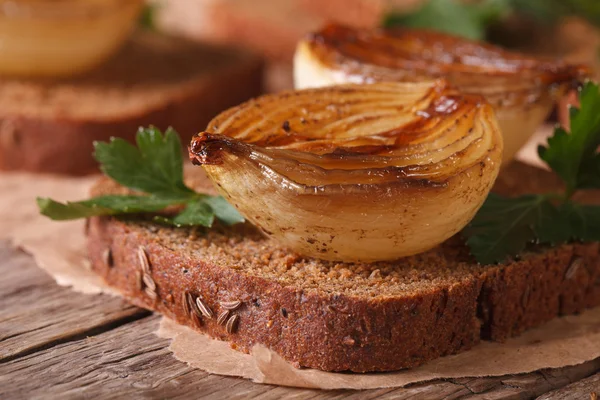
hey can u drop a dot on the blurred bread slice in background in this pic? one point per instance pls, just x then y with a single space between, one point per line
49 125
271 28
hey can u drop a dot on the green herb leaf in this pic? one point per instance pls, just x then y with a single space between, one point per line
552 225
547 11
154 167
195 213
203 211
471 19
552 10
583 220
223 210
450 16
573 156
504 226
147 18
105 205
588 9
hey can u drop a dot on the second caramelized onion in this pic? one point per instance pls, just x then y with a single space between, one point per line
522 89
355 172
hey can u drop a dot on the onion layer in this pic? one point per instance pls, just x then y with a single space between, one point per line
355 172
522 89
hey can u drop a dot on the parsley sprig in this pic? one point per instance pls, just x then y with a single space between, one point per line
471 19
154 167
504 226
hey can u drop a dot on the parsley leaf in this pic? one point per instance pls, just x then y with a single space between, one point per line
195 213
504 226
104 205
553 10
223 210
155 167
147 18
551 225
574 156
469 20
203 211
472 19
588 9
583 220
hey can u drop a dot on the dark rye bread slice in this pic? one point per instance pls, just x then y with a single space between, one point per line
49 125
337 316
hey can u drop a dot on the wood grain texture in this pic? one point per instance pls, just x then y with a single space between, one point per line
588 388
60 344
35 312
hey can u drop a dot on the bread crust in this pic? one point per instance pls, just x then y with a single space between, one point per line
62 143
333 333
339 332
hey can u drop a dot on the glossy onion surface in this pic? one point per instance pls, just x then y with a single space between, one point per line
355 172
41 38
522 89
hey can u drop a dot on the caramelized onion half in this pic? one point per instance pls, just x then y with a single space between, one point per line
521 88
355 172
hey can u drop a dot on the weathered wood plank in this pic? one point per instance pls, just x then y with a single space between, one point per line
527 386
35 313
49 355
131 361
128 360
584 389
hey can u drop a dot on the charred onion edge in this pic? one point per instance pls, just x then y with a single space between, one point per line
208 148
327 46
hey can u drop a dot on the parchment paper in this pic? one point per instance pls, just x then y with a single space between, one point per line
564 341
59 249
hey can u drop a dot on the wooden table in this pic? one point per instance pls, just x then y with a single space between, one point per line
55 343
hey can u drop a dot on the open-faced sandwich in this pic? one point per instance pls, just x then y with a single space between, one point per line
372 241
